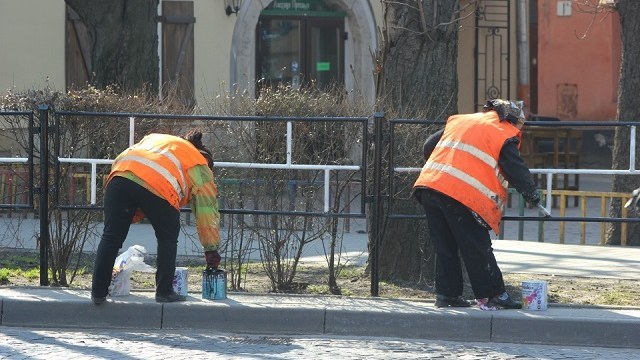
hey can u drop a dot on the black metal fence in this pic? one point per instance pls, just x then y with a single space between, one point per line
362 138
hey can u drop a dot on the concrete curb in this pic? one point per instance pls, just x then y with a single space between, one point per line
574 327
317 315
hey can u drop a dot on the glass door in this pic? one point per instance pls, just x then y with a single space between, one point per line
279 53
299 51
325 52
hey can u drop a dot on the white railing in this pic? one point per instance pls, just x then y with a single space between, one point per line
288 165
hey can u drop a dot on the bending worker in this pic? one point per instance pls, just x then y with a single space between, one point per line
462 188
155 178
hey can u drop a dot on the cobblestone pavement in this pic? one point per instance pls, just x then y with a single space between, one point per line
27 343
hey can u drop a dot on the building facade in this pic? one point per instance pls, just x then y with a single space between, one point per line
508 49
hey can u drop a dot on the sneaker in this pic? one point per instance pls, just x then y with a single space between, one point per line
483 304
173 297
453 301
98 300
508 303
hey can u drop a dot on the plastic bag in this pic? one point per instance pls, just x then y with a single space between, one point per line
125 264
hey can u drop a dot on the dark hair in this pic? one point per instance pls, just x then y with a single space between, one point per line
195 138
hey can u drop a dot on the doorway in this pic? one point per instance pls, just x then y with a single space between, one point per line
300 48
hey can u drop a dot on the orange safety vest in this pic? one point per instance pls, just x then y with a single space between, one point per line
464 164
162 162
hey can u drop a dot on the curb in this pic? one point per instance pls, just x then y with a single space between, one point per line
319 315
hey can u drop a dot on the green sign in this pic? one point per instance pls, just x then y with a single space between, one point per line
301 8
323 66
291 5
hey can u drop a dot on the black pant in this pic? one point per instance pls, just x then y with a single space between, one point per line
121 198
453 227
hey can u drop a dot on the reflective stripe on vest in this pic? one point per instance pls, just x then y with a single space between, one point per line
176 162
482 156
180 190
461 175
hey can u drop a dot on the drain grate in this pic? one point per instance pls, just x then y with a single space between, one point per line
262 340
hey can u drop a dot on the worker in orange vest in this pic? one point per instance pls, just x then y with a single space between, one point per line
154 179
462 187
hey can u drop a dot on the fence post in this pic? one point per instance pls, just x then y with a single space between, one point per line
376 216
43 211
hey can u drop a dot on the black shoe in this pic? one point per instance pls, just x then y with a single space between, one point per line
508 303
98 300
173 297
454 301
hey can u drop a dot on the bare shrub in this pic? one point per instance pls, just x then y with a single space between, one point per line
280 239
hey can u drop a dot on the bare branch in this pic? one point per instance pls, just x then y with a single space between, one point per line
594 7
423 18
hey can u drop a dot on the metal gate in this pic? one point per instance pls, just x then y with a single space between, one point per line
493 42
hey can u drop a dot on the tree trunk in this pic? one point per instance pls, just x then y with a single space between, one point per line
124 40
628 110
418 79
420 58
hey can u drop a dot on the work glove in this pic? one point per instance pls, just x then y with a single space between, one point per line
138 216
532 198
212 258
633 202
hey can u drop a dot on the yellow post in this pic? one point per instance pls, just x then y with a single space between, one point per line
603 207
563 211
623 226
583 225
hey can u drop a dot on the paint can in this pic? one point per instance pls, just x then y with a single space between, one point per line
534 295
181 281
214 284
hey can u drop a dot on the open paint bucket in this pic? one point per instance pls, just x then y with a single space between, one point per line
214 284
181 281
534 295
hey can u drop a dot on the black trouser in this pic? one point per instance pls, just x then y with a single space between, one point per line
121 199
452 228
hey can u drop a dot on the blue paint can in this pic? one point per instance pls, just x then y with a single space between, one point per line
214 284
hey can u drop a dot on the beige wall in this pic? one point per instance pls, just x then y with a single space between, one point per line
31 44
212 42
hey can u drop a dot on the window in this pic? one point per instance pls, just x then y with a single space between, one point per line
300 43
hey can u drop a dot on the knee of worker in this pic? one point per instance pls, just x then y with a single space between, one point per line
113 239
168 237
167 228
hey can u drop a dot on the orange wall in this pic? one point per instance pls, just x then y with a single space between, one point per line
589 65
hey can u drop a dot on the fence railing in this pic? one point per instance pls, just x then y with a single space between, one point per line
288 164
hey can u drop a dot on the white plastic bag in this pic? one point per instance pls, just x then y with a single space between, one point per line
125 264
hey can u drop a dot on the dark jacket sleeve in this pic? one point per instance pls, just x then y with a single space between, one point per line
516 171
430 143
